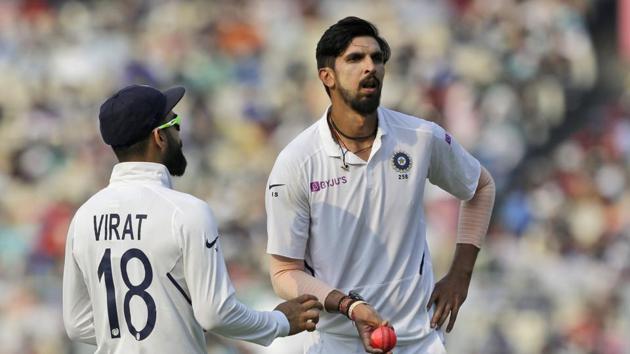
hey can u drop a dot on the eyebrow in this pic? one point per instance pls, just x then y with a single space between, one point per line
362 53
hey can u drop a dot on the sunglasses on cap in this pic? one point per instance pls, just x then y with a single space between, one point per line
173 122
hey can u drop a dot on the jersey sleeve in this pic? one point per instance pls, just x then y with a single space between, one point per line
288 210
452 168
214 303
78 317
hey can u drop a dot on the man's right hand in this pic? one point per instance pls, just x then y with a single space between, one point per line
366 319
302 313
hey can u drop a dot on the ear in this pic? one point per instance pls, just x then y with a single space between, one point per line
159 139
327 76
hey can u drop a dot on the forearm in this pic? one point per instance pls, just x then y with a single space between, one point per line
474 216
216 307
237 321
290 279
464 259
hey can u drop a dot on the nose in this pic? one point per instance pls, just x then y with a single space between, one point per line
369 66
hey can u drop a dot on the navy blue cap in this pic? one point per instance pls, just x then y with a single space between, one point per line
133 112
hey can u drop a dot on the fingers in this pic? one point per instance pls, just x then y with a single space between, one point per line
373 350
366 344
311 315
365 330
309 321
439 308
312 304
445 312
432 299
365 338
304 298
310 325
451 321
442 309
369 349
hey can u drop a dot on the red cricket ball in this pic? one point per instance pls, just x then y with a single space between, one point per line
383 338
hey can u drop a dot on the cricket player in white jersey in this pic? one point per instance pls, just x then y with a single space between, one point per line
345 208
144 270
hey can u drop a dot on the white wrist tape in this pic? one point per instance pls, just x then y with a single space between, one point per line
353 306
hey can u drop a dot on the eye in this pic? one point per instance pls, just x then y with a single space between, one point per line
377 58
176 126
354 57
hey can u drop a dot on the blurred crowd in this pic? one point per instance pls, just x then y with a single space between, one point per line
501 75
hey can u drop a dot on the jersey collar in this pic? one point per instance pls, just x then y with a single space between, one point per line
141 172
331 147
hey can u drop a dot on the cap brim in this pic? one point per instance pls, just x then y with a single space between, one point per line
173 96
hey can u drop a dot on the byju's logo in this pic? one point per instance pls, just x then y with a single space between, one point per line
317 186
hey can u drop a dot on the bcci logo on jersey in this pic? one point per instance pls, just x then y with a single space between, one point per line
401 161
317 186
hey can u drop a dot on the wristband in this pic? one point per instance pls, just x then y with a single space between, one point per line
344 305
339 303
353 306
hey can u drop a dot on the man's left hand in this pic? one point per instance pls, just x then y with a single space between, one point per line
448 295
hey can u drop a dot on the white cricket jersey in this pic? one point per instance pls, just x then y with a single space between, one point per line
363 228
144 271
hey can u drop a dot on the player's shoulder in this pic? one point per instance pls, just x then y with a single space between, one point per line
302 147
190 211
186 203
95 201
405 122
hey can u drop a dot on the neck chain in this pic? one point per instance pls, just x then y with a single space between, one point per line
354 152
334 126
342 146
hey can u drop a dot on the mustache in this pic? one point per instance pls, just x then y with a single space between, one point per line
372 79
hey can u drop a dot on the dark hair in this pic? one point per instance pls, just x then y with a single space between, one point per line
125 153
338 37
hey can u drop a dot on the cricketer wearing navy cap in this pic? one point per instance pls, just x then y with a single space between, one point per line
131 113
144 269
128 117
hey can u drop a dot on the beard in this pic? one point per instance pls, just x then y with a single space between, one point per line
362 104
174 158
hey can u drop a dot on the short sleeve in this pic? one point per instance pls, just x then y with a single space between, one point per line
452 168
288 210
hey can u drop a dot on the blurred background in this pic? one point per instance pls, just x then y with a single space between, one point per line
538 90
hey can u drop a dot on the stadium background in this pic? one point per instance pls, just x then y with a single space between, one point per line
538 90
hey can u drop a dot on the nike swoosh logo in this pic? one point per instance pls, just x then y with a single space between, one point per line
210 244
275 185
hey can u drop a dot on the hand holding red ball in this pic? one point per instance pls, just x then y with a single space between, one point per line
383 338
